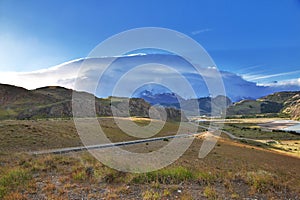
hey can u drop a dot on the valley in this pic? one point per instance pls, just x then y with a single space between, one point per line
43 157
149 100
235 168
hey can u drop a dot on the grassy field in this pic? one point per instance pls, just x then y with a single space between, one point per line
260 136
252 130
29 135
233 170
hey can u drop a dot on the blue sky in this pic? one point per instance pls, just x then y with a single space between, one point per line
258 39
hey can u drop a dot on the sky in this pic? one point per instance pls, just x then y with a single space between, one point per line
256 39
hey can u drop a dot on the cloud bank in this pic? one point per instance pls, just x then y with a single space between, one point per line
132 70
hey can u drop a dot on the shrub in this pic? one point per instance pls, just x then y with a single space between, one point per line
79 175
206 177
210 193
166 193
261 181
151 195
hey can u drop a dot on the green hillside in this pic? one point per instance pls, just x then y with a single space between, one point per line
285 104
56 102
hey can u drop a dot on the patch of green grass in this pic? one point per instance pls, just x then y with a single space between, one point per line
173 175
262 181
151 195
210 193
79 175
206 177
7 113
262 145
252 130
13 180
166 193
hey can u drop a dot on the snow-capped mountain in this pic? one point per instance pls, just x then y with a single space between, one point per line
200 106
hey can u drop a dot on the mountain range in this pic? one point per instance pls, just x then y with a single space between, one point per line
56 102
286 104
89 69
144 80
208 106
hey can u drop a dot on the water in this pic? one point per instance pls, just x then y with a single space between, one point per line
295 128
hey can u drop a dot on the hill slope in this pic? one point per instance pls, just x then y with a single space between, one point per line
56 102
280 103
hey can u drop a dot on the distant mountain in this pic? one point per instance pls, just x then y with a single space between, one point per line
205 104
66 74
167 99
277 104
56 102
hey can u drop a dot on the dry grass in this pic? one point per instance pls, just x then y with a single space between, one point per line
30 135
232 170
26 135
291 147
279 141
254 131
13 179
223 173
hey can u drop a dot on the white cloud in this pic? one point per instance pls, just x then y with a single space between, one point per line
284 83
256 77
44 77
66 74
201 31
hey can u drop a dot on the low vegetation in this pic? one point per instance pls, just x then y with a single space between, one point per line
13 180
254 131
233 170
173 175
31 135
222 174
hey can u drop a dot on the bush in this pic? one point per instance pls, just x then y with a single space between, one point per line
210 193
261 181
